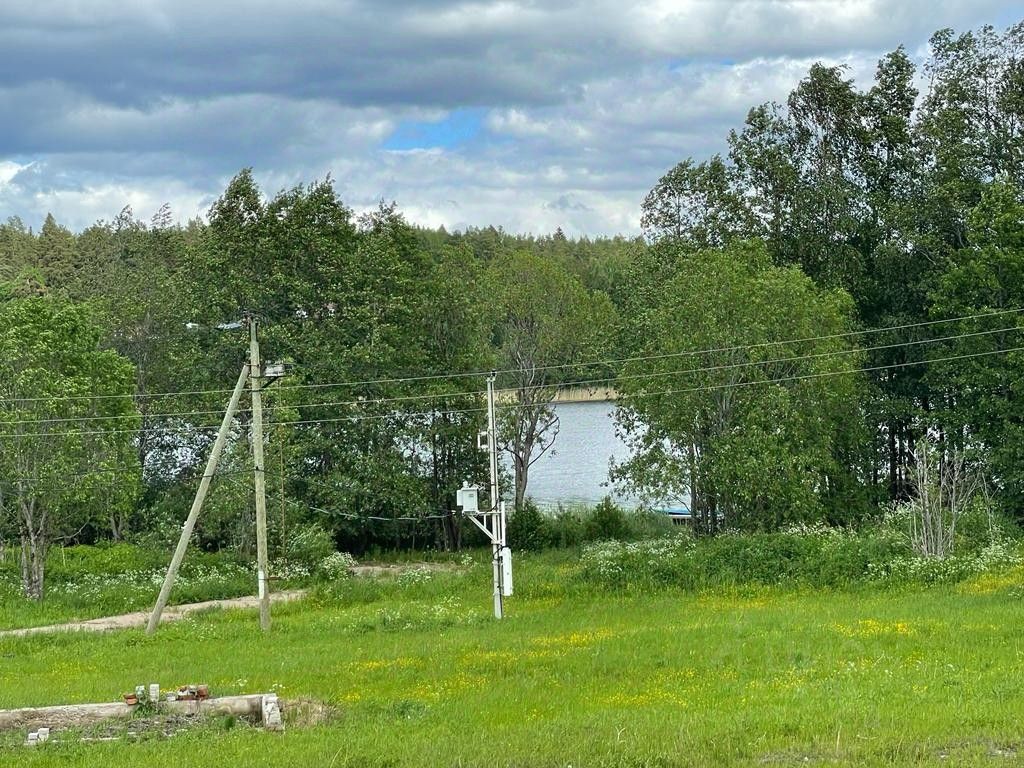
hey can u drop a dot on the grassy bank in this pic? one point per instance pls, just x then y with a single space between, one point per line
417 673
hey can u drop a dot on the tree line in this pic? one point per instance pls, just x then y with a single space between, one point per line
800 314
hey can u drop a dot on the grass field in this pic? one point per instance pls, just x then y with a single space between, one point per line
417 673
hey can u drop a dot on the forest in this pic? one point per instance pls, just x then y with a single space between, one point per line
808 320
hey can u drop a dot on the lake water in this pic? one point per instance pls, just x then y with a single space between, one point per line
575 469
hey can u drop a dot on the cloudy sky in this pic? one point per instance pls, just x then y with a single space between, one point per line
528 115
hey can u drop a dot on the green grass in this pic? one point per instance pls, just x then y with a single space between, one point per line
420 674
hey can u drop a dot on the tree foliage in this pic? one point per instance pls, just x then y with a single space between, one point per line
762 430
66 456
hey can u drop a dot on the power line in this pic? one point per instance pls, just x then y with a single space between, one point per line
354 515
118 471
733 385
685 371
132 395
65 419
584 382
84 433
413 414
687 353
824 374
302 422
584 364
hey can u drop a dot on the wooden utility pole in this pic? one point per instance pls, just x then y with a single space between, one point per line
260 478
197 503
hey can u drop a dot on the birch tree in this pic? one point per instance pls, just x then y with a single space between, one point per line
547 327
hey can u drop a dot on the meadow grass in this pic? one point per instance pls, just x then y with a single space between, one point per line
418 673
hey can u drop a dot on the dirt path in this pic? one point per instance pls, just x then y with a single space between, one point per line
176 612
139 618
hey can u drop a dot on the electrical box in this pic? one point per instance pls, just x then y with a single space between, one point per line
467 499
273 370
506 571
482 442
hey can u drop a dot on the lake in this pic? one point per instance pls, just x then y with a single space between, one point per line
575 469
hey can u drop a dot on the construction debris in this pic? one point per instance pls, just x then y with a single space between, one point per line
188 700
271 711
38 737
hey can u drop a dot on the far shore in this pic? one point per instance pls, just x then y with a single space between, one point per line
571 395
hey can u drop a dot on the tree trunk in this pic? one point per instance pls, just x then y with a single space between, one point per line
33 565
522 477
893 475
33 530
452 532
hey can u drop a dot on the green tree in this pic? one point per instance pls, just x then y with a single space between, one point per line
698 204
547 327
758 432
455 339
979 398
56 253
19 275
67 419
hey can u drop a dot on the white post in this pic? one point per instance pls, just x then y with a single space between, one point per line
496 524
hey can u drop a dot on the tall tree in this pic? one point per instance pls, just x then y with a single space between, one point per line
56 253
761 430
980 397
67 419
547 329
696 203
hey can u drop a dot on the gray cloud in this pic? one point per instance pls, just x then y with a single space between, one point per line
582 105
444 54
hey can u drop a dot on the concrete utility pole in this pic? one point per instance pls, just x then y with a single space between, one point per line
497 512
197 503
260 478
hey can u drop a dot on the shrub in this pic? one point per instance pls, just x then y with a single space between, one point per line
608 521
309 544
813 557
528 528
567 528
337 565
531 529
648 524
102 559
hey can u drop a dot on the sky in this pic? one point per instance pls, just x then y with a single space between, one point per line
519 114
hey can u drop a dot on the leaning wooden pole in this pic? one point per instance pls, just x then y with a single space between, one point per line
197 503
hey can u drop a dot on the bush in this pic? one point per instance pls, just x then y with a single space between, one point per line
337 565
309 544
812 557
531 529
528 528
102 559
608 521
568 528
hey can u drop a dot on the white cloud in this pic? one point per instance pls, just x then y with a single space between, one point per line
8 170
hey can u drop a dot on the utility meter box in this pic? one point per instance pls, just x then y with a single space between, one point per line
506 571
482 441
273 370
467 499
